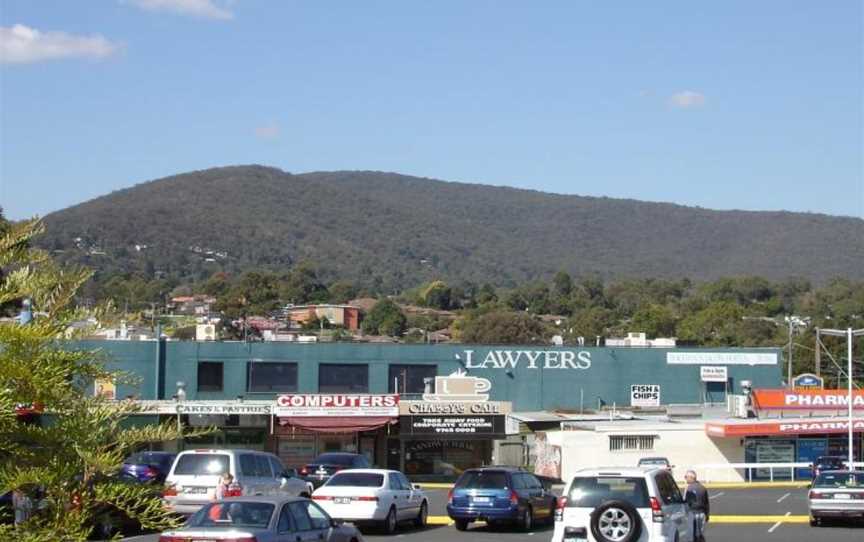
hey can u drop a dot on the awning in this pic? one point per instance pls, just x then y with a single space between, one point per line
333 424
800 426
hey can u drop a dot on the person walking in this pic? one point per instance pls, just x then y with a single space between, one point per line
697 500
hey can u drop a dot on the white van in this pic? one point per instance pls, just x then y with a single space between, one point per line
194 476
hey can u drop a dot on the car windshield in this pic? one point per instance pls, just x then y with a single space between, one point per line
356 479
829 462
840 480
478 479
335 459
202 464
592 492
147 458
233 514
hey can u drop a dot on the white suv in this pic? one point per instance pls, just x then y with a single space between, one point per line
622 505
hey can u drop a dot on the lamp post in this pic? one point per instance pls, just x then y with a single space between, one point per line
849 333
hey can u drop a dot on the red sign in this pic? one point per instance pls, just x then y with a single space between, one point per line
807 399
791 427
337 405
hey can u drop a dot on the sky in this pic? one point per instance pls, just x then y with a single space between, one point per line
724 105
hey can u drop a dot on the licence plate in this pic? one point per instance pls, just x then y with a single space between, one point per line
195 490
575 539
484 500
342 500
842 496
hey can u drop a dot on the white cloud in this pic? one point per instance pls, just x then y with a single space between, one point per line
687 99
267 131
21 44
205 9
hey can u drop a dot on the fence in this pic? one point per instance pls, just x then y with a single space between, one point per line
747 471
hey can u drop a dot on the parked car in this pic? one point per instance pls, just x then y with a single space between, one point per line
836 494
373 496
827 462
148 466
263 519
195 474
325 465
655 462
622 505
499 495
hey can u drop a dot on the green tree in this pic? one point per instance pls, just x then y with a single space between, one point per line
302 285
718 324
342 291
436 295
80 442
385 318
503 327
654 320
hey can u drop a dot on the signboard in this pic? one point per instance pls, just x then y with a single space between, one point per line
807 381
454 408
452 426
105 388
800 427
459 387
645 395
208 408
721 358
337 405
712 373
807 399
548 457
528 359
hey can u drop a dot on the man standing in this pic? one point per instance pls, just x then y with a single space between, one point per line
696 497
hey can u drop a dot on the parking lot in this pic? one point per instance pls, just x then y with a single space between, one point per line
738 515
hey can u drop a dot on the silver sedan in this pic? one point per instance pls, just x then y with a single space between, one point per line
263 519
836 494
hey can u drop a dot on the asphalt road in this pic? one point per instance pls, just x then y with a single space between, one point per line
742 515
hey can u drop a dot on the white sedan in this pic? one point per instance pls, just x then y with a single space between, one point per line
382 497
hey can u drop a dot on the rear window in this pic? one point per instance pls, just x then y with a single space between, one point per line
840 480
482 480
592 492
233 514
356 479
335 459
148 458
201 464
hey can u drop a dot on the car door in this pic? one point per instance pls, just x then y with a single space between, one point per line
415 496
517 484
311 522
685 525
675 513
268 479
247 474
539 500
395 494
285 530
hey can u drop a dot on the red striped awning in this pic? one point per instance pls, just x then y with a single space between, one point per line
336 424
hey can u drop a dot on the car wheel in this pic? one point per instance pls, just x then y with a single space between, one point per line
461 524
390 522
616 521
526 520
423 516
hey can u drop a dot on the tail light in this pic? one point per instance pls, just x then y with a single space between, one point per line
169 491
321 498
372 499
450 497
656 510
514 497
560 505
150 472
304 471
233 492
815 495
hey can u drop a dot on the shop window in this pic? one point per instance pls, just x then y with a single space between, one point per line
271 377
210 376
343 378
622 443
409 378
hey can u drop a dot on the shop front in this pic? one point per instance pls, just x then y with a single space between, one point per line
311 424
450 430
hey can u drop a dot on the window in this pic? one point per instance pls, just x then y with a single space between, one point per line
395 482
343 378
285 520
278 469
405 483
357 479
210 376
247 465
262 467
320 519
409 378
300 515
202 464
531 482
265 377
518 481
620 443
591 492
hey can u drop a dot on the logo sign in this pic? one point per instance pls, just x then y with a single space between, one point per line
206 408
105 388
645 395
807 399
453 425
459 387
337 405
712 373
721 358
807 381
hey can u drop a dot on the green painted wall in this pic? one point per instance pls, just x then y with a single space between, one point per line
546 386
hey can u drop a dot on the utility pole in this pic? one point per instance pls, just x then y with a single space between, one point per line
849 333
818 354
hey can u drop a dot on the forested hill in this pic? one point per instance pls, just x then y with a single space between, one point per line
392 231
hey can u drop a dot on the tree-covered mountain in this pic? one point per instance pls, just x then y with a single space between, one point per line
387 231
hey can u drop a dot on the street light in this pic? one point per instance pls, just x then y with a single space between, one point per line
849 333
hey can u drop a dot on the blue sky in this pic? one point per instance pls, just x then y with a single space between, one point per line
733 104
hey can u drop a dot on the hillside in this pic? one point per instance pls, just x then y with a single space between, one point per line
391 231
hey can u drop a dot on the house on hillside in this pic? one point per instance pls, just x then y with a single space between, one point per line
344 316
191 305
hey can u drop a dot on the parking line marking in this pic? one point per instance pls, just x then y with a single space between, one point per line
771 530
783 497
714 496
